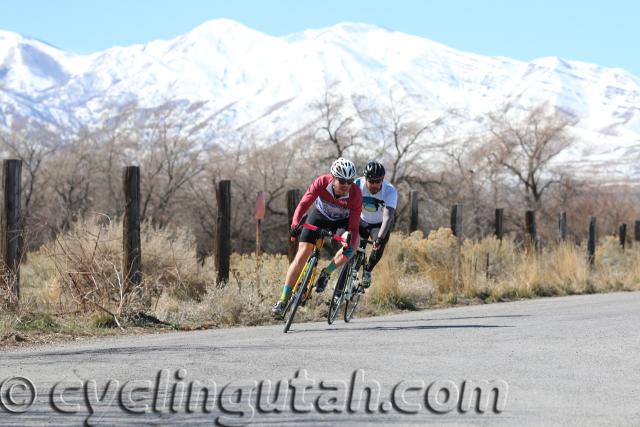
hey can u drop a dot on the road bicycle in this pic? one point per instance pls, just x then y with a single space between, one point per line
349 287
303 288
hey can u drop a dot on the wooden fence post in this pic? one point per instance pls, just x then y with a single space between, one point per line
293 198
132 251
261 206
499 223
259 216
413 221
591 244
622 235
636 231
456 221
532 234
12 226
564 228
223 232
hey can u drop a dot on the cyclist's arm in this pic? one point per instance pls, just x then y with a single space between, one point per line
307 200
388 211
387 219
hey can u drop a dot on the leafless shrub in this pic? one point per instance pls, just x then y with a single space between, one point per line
524 144
87 268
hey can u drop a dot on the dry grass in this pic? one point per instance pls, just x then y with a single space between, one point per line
7 325
616 269
440 270
399 278
74 284
82 270
245 300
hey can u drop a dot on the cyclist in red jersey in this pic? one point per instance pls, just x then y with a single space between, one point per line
337 204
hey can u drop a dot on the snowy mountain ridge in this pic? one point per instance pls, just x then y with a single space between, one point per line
250 78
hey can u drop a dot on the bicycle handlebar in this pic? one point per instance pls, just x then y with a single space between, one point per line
328 233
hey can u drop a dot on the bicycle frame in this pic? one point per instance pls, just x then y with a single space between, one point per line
312 263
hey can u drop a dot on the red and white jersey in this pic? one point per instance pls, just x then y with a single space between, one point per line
321 192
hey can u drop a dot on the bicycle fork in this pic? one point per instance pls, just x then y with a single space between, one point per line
355 280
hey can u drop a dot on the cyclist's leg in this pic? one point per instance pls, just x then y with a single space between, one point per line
293 272
341 256
376 255
304 250
337 260
306 243
365 231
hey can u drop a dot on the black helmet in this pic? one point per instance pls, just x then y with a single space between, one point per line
374 170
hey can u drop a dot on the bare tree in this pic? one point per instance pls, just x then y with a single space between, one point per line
335 125
111 142
33 143
470 181
524 145
169 154
404 136
71 176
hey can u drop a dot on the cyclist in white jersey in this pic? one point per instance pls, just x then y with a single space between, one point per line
379 201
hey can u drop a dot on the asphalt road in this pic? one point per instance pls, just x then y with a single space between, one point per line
556 361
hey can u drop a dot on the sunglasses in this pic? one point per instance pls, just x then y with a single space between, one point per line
375 181
345 181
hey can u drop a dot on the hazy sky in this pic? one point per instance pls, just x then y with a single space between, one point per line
602 32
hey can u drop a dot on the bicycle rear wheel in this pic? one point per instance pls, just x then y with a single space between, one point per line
338 293
297 297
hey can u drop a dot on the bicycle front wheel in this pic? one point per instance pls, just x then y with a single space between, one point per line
297 297
338 292
351 302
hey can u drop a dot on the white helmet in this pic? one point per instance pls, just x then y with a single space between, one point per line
343 168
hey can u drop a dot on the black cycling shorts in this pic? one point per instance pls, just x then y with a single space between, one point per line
368 230
319 220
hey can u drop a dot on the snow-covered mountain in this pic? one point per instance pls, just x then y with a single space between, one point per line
247 78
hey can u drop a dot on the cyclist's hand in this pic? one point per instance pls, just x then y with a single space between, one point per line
376 244
294 232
